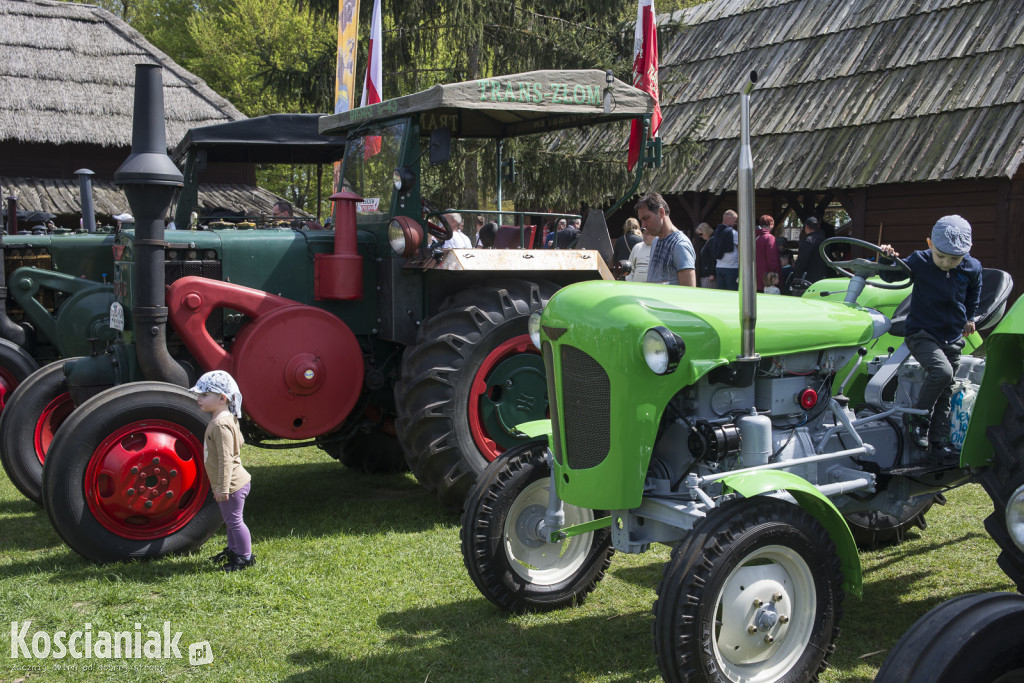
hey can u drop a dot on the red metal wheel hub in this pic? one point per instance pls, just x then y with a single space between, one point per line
146 480
52 417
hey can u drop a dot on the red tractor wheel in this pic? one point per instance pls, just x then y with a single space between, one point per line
473 376
124 477
15 365
28 424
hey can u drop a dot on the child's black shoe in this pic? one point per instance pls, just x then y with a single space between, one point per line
917 428
944 454
238 563
225 555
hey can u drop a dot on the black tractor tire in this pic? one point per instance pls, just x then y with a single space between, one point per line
124 478
373 452
976 637
1004 477
514 568
435 394
874 529
38 407
15 365
757 562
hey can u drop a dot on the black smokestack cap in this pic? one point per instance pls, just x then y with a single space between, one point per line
148 164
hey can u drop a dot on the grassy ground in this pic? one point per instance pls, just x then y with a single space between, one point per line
361 579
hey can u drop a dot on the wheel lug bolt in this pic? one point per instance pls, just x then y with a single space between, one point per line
508 383
131 492
156 461
169 494
174 473
751 629
777 597
157 470
134 470
758 603
149 503
783 619
163 482
768 639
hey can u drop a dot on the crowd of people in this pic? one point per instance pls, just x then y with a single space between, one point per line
653 249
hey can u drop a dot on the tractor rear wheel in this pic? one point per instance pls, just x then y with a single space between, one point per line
973 637
472 377
372 452
124 477
510 563
28 424
1004 477
15 365
874 529
753 594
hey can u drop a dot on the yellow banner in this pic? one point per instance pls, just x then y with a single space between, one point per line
345 76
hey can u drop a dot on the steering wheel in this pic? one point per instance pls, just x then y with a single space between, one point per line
863 268
440 229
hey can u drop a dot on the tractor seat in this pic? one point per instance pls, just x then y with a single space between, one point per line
996 286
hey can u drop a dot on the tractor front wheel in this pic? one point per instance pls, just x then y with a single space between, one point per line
508 560
124 477
753 594
874 529
28 424
973 637
473 376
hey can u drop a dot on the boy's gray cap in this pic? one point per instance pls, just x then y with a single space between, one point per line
220 382
952 235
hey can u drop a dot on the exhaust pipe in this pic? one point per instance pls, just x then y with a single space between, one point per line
149 179
85 191
748 288
339 276
12 215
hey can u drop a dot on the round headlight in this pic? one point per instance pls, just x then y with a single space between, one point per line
396 178
403 179
662 350
533 327
405 235
1015 517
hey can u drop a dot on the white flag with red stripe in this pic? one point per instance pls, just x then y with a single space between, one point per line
372 82
645 73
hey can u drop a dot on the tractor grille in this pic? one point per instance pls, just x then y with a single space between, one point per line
208 268
586 409
549 373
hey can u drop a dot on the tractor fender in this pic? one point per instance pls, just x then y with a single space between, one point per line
536 429
1004 350
809 498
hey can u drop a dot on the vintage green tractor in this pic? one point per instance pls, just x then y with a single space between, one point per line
342 319
670 423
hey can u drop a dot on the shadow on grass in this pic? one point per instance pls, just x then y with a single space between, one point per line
473 641
19 507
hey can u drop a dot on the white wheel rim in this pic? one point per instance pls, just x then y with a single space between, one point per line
533 558
765 615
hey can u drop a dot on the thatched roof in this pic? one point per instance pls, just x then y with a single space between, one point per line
850 94
68 73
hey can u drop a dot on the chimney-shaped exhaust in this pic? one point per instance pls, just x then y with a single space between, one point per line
85 192
149 179
748 288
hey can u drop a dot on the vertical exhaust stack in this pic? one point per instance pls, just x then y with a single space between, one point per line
149 179
339 276
748 288
85 192
10 330
12 215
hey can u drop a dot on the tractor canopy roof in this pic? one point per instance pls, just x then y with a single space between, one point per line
271 139
506 106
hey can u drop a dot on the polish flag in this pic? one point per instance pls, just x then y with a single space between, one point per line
645 73
371 84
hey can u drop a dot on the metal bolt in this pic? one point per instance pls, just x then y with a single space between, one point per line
768 639
751 629
149 503
157 471
174 473
156 461
758 603
508 383
163 482
777 597
131 492
169 494
134 470
783 619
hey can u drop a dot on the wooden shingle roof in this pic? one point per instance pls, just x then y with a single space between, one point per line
68 72
850 94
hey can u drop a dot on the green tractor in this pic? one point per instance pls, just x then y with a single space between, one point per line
353 336
670 422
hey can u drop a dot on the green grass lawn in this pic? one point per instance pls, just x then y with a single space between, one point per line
360 578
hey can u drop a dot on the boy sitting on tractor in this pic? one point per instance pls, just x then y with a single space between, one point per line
947 289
